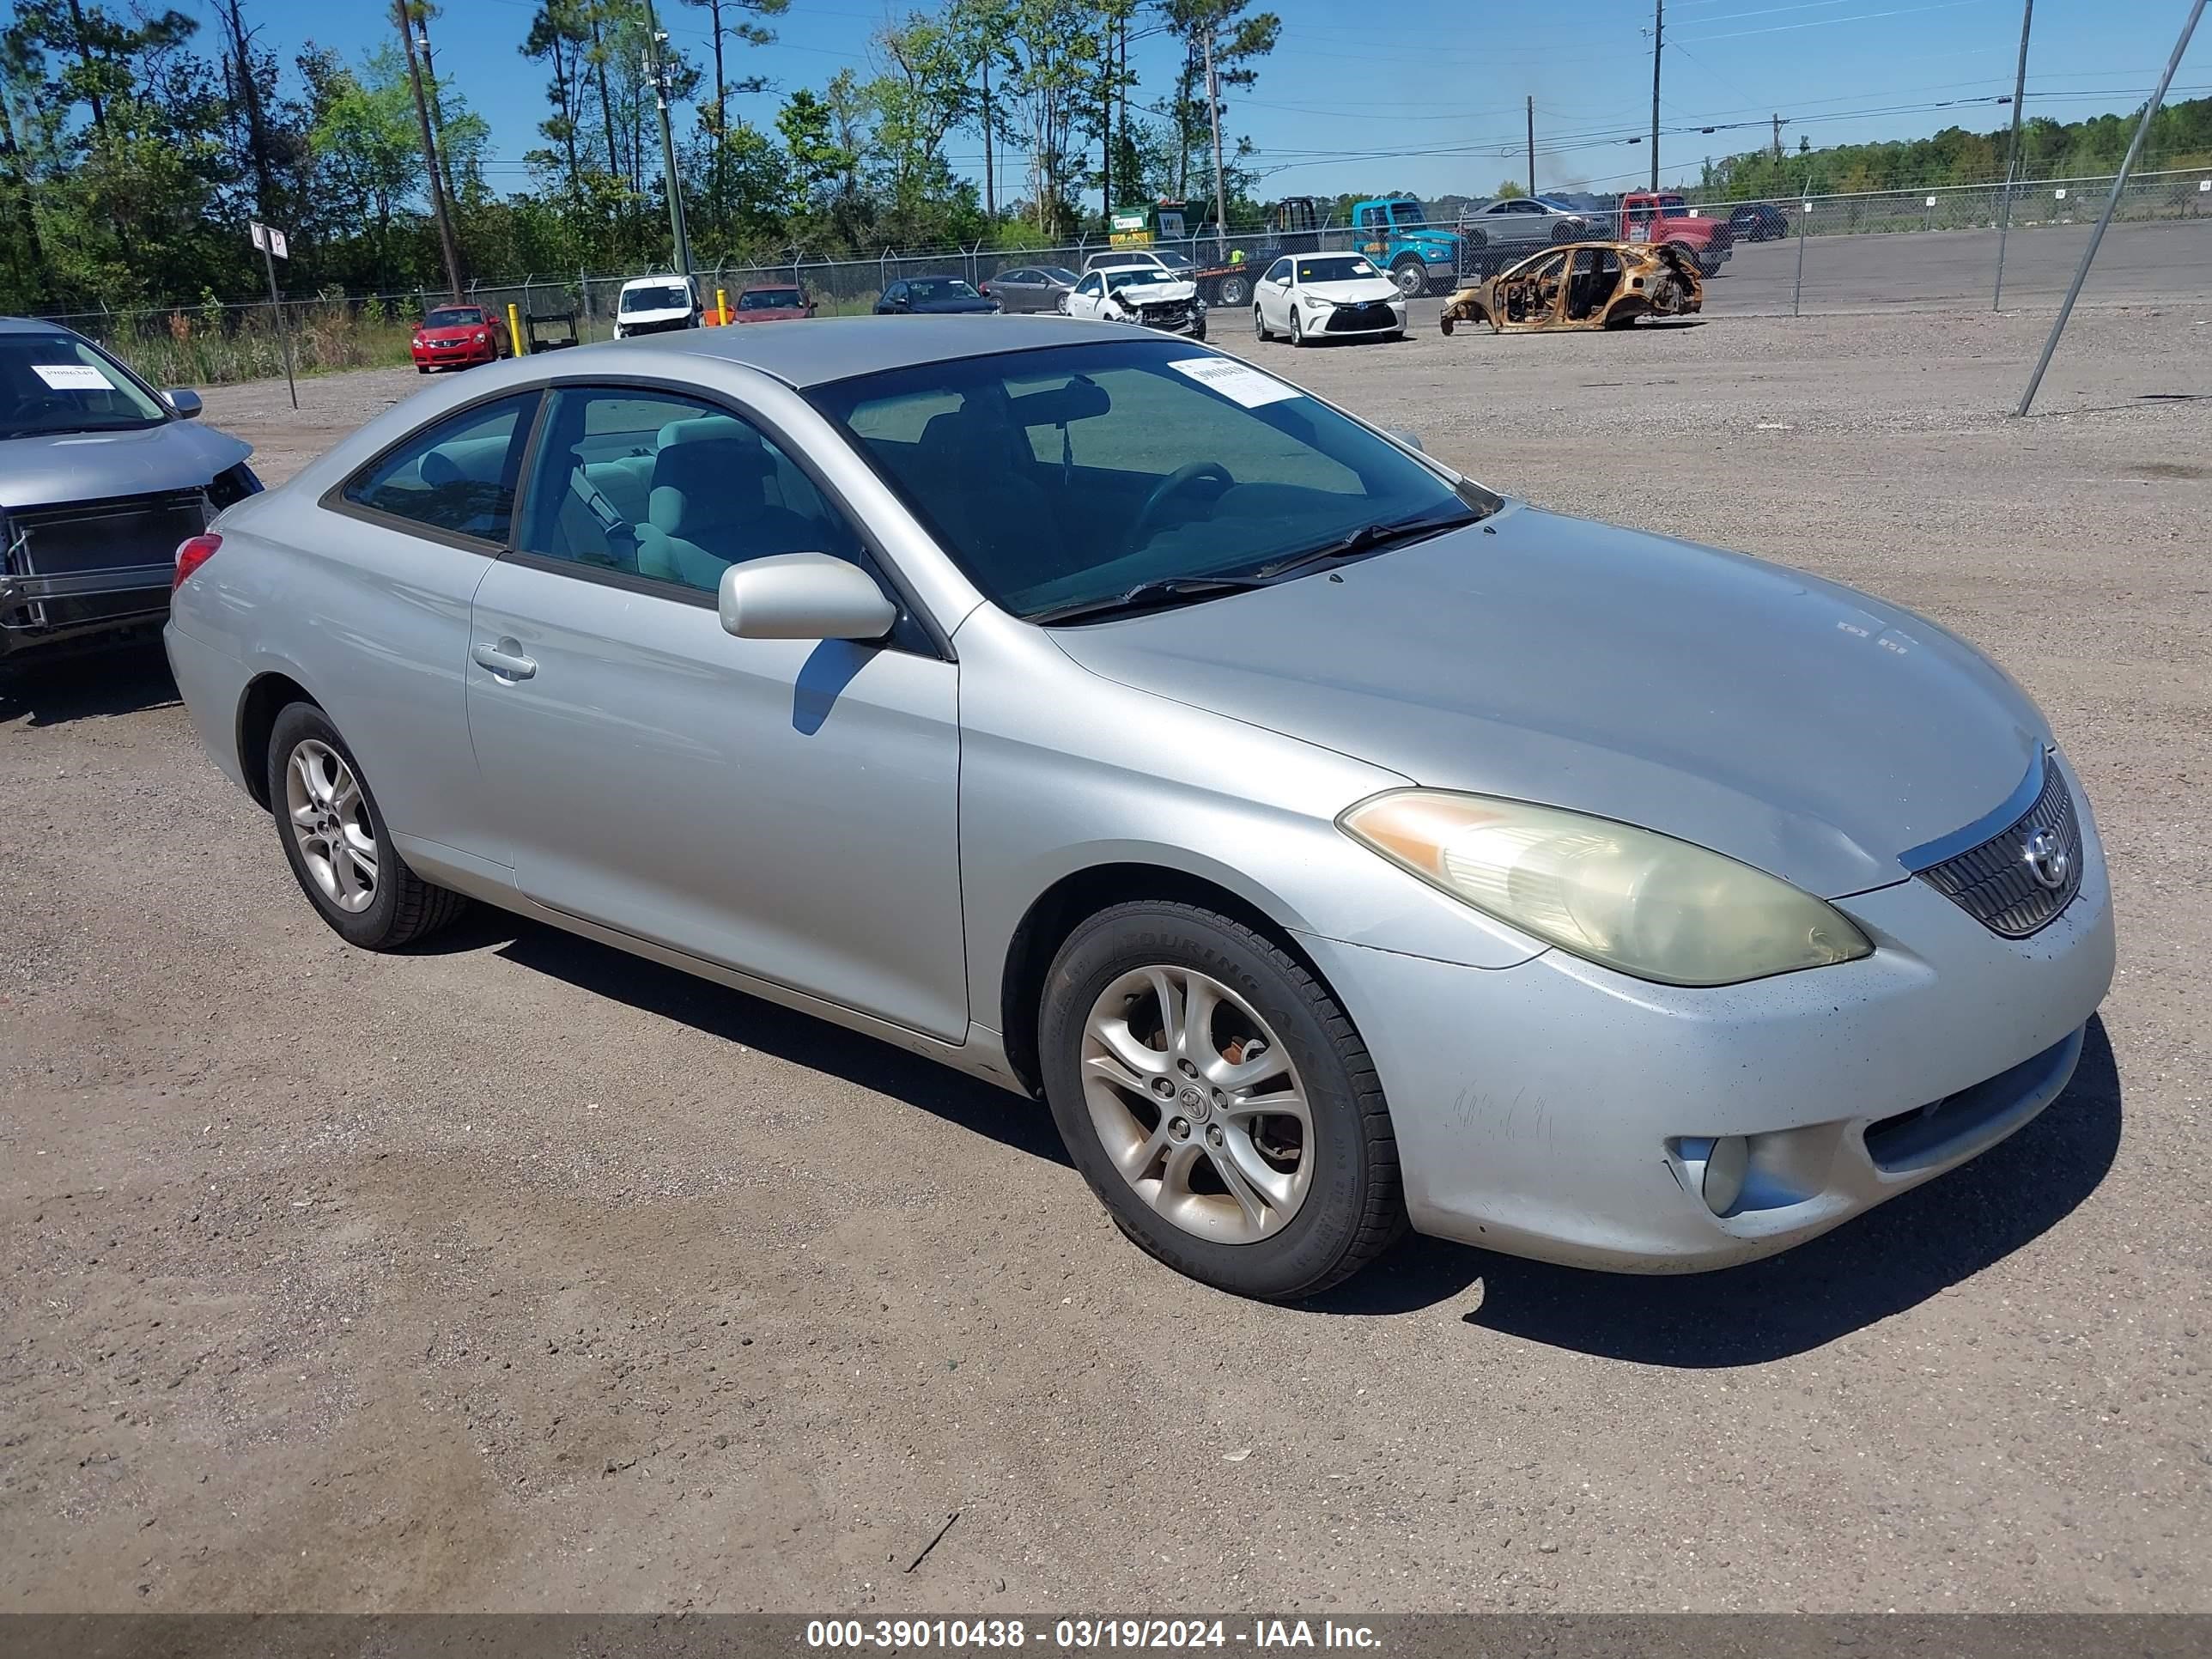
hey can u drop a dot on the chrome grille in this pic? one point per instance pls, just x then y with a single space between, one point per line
1996 883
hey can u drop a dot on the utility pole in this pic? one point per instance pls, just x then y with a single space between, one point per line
2012 154
656 38
1658 44
1532 143
990 148
1777 136
437 104
430 155
1214 108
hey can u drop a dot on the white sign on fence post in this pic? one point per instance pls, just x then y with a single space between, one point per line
2059 195
271 241
1931 201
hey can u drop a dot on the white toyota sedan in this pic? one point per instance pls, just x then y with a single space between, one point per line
1336 295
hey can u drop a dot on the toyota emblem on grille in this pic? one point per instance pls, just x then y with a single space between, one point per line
2048 860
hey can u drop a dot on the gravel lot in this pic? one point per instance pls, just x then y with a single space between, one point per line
521 1275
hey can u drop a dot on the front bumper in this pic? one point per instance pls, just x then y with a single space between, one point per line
1560 1111
467 355
1346 322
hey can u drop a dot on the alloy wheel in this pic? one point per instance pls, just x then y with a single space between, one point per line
329 817
1198 1104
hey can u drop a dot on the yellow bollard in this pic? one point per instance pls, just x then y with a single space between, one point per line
721 304
516 343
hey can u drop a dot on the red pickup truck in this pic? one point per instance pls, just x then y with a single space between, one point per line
1663 216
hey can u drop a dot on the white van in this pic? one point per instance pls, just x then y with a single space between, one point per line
654 305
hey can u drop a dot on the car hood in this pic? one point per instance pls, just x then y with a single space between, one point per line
1790 723
1153 293
1357 291
54 468
455 331
769 315
659 314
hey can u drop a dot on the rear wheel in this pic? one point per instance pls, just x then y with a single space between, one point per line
1235 291
336 841
1218 1101
1411 275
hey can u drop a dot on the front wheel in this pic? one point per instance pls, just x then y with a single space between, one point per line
1298 328
337 843
1235 291
1411 277
1218 1101
1260 325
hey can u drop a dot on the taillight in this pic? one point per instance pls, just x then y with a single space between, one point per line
192 553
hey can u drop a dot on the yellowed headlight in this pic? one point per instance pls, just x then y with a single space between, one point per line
1632 899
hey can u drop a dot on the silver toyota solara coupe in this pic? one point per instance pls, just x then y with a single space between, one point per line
1331 843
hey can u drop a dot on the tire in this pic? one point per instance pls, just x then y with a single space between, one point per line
1259 324
1199 332
1563 233
1411 277
1060 305
1235 291
1298 328
1347 1207
401 907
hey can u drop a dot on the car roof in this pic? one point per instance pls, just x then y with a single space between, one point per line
660 281
838 348
32 325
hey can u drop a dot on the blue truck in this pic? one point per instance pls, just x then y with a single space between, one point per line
1395 232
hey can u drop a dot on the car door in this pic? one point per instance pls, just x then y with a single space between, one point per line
1089 293
894 298
385 591
1274 294
1020 290
783 807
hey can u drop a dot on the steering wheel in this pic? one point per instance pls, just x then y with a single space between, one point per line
1173 485
30 405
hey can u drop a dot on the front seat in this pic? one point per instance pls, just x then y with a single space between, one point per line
709 509
1001 523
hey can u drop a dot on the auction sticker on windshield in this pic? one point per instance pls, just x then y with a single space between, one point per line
72 377
1234 381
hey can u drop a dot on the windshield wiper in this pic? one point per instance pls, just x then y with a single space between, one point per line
1365 539
1157 593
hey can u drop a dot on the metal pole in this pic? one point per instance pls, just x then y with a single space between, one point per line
1658 44
668 150
1220 192
284 333
1532 143
1797 289
2012 156
2112 202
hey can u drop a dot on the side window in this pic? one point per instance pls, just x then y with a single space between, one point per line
1090 285
457 476
1279 272
895 291
671 489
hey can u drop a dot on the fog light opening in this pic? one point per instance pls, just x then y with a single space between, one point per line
1726 1165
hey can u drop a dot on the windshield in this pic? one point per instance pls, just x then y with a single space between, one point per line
1062 274
670 297
771 299
1345 268
58 383
1672 207
1176 261
454 317
940 288
1068 475
1116 280
1407 213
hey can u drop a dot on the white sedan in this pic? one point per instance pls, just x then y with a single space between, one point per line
1139 293
1339 296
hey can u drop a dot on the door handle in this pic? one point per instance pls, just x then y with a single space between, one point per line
507 664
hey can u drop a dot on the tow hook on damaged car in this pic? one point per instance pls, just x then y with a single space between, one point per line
1330 843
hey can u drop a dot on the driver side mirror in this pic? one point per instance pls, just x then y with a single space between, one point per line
183 402
803 596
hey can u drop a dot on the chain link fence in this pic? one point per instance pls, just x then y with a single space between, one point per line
1930 249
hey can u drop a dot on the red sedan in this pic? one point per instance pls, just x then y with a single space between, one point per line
458 336
771 302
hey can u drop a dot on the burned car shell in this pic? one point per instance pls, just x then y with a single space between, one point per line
90 518
1583 285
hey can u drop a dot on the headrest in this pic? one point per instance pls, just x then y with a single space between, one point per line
438 469
705 483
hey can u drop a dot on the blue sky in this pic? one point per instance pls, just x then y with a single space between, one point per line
1428 97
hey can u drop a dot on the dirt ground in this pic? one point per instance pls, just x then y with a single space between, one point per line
520 1274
